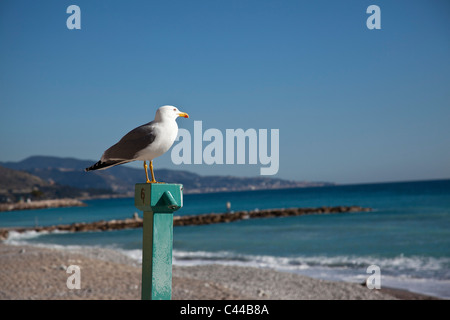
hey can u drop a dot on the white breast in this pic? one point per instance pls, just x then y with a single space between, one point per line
166 132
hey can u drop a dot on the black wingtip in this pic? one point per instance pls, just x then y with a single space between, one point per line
96 166
104 165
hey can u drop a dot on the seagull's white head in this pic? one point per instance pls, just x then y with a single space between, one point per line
169 113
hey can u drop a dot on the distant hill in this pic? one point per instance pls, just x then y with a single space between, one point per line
121 180
18 185
19 180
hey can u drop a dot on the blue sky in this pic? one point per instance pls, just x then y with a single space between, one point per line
352 105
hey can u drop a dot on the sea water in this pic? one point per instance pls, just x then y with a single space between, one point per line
407 234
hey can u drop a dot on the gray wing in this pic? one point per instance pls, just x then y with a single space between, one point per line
133 142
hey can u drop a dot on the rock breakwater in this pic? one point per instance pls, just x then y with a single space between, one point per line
201 219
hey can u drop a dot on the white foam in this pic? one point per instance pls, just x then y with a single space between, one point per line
20 238
135 254
396 264
30 234
425 275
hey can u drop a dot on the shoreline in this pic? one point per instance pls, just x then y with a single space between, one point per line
31 272
78 201
41 204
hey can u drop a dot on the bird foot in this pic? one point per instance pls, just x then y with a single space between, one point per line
148 181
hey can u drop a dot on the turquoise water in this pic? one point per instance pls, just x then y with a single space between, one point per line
407 234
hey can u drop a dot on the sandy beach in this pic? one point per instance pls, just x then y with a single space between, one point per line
36 273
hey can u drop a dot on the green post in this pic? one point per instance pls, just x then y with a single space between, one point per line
158 201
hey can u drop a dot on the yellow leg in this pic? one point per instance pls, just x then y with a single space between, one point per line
146 172
151 171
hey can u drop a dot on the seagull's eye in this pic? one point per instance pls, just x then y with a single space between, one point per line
174 109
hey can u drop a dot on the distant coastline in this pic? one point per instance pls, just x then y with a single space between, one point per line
41 204
78 201
44 177
293 185
217 190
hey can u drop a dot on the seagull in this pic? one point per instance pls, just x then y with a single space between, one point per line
144 143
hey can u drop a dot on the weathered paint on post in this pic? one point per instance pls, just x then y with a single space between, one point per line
158 201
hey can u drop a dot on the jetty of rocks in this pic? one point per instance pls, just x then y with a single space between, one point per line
41 204
201 219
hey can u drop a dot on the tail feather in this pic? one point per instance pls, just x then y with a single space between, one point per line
101 165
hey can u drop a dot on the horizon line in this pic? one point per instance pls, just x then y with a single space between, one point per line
129 166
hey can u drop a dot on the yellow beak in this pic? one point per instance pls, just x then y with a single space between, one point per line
184 115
